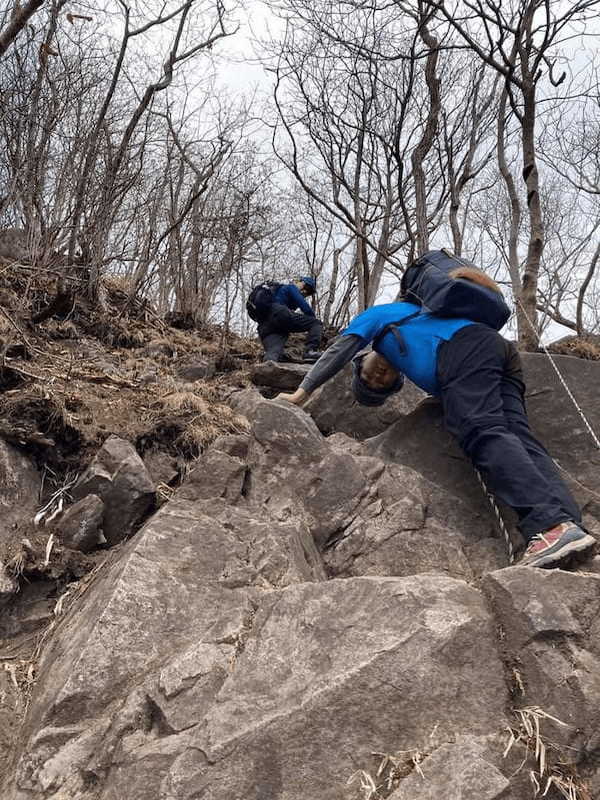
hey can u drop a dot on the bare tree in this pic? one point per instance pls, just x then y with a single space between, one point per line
519 41
19 18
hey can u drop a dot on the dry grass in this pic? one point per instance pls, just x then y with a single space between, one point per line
578 346
518 681
185 401
366 784
209 418
392 768
39 409
15 566
187 419
164 492
558 774
62 329
118 283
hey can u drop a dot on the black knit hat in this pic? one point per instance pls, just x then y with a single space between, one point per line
366 396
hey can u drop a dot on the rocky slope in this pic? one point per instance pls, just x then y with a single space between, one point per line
314 617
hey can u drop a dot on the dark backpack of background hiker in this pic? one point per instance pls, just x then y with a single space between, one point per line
261 299
449 286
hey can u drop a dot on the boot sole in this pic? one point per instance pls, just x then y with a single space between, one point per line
567 552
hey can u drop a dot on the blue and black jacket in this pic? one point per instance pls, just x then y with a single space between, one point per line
413 352
289 295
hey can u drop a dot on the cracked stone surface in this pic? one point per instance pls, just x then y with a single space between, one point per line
307 612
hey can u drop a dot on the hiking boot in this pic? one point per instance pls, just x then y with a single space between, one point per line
312 355
552 548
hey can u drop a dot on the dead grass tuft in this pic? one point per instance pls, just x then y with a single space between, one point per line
556 773
587 347
392 768
185 401
58 329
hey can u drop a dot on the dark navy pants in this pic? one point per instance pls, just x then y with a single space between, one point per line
482 392
276 328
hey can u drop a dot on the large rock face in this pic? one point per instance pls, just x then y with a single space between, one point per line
320 618
556 422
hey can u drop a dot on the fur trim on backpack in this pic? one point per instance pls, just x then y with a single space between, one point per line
477 276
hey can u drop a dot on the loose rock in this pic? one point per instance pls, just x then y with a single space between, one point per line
80 528
118 476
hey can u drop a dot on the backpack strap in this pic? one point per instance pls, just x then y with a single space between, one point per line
392 327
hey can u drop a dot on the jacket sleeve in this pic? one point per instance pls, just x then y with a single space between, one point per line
298 300
332 361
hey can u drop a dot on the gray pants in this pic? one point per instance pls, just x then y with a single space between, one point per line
276 328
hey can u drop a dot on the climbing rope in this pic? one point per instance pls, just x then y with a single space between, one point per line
498 515
561 378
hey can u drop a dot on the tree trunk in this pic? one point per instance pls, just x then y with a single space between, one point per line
528 336
17 23
424 146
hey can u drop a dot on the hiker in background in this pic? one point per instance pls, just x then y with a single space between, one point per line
478 376
273 306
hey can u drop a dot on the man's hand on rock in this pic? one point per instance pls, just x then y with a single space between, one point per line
297 398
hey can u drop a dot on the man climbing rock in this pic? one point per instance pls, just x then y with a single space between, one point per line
477 375
273 306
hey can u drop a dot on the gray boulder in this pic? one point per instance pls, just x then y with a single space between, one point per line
118 476
550 624
234 444
369 517
213 658
216 474
278 375
196 369
245 401
556 422
282 694
420 441
162 467
80 527
295 474
408 526
20 487
149 646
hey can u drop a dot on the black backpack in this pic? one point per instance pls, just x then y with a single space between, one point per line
261 299
471 294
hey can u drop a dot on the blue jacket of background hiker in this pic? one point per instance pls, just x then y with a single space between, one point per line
290 296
